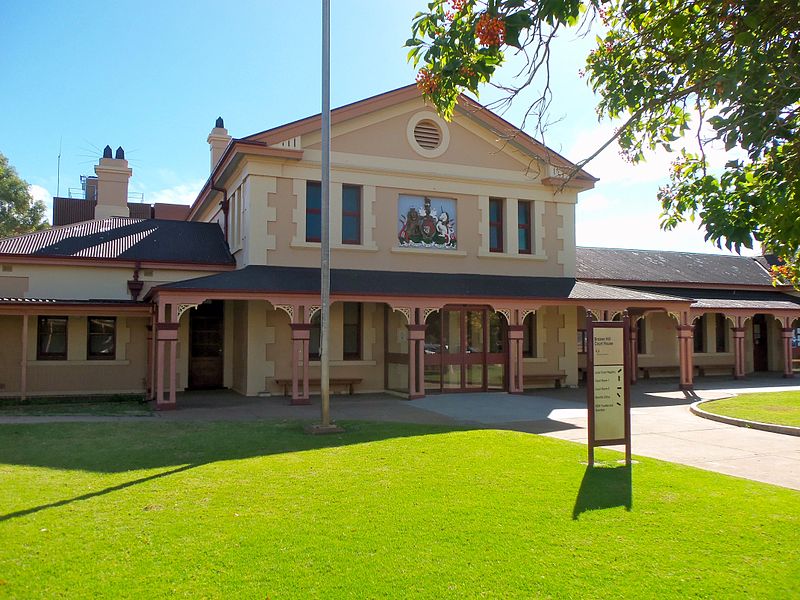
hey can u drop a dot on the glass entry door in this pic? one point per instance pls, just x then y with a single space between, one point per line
464 350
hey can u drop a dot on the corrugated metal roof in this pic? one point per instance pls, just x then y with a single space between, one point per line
618 264
732 299
306 280
128 239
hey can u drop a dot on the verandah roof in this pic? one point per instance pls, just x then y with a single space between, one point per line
306 280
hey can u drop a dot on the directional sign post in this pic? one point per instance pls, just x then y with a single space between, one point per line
608 388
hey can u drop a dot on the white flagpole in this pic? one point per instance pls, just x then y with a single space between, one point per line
326 196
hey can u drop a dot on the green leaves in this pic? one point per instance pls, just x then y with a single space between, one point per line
733 63
19 212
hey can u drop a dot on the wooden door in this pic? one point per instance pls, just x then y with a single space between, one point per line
206 335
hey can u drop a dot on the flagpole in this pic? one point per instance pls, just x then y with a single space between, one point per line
326 196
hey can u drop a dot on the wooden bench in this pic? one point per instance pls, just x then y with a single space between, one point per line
663 371
334 381
706 370
558 378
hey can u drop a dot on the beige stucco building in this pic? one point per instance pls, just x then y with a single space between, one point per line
454 264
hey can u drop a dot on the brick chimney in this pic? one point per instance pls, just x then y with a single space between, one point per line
218 140
112 185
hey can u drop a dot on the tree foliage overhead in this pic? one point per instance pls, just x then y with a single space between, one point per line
722 71
19 212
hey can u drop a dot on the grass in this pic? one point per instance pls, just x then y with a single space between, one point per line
780 408
115 408
261 510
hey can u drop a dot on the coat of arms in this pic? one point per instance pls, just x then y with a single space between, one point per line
431 225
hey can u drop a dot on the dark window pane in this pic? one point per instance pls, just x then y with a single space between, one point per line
495 210
497 332
524 240
314 341
351 227
700 334
529 342
351 330
523 213
494 238
313 227
52 338
102 337
313 195
722 333
641 337
351 198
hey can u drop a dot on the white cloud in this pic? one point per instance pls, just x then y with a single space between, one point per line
627 223
40 193
182 193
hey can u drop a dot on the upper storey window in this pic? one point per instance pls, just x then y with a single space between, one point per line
524 226
495 225
313 211
351 214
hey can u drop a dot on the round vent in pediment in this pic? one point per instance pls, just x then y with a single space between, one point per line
427 134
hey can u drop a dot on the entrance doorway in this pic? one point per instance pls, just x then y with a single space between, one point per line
465 350
206 365
760 343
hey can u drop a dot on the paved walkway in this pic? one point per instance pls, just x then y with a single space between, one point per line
663 426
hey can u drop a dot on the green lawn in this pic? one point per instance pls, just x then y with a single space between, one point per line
260 510
125 408
782 408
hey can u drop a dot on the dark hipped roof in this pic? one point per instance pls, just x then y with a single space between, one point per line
732 299
305 280
618 264
122 238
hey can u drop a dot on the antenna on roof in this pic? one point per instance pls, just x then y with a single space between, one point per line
58 171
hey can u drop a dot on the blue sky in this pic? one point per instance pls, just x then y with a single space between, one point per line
153 76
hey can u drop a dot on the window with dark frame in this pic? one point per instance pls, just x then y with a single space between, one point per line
351 331
351 214
722 333
529 341
641 337
51 343
495 224
313 211
582 341
101 340
314 337
700 335
524 226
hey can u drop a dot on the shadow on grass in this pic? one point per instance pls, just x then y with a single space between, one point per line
103 492
131 446
604 487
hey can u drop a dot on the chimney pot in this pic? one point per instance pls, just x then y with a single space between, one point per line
220 123
120 153
107 151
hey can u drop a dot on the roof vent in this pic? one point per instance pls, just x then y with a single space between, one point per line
427 134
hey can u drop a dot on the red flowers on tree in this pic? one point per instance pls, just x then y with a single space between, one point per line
491 31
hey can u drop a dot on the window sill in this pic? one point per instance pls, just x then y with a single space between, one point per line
435 251
77 363
486 254
316 246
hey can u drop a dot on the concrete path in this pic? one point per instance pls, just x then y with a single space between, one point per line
663 426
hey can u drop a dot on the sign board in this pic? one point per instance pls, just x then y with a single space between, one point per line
608 389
